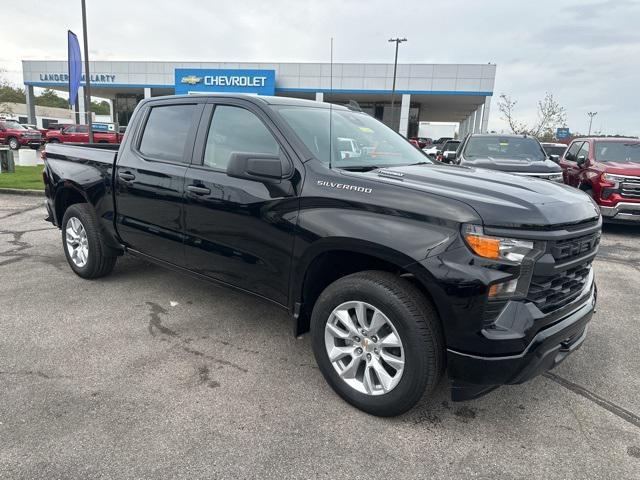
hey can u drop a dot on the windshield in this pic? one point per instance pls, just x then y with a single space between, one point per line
14 125
513 148
357 140
559 151
618 152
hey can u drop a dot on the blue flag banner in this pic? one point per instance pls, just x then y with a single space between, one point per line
75 67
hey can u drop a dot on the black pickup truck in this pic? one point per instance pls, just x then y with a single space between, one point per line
399 267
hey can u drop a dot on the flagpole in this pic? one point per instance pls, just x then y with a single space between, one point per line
87 74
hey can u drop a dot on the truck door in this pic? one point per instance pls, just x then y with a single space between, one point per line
569 164
240 231
150 176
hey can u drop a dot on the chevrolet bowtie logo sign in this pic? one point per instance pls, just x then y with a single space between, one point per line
205 80
191 80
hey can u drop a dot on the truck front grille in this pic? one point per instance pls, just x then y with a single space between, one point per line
549 293
630 187
574 247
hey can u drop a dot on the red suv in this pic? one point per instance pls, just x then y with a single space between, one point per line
608 169
16 135
80 134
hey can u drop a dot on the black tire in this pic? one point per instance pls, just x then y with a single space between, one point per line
13 143
53 140
416 322
100 260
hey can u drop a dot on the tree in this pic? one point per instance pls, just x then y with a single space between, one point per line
549 116
49 98
9 94
100 108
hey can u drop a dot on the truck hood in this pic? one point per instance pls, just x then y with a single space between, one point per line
500 199
515 165
622 168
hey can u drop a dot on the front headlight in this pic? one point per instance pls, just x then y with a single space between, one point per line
555 177
495 248
613 180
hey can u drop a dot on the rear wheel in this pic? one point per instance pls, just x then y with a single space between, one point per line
377 341
84 247
14 144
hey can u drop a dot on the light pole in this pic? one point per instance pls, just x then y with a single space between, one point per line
397 41
87 75
591 115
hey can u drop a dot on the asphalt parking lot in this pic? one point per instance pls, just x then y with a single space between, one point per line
151 374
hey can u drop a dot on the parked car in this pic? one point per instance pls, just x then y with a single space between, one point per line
516 154
448 148
435 147
555 151
422 141
608 170
396 265
414 142
80 134
16 135
43 131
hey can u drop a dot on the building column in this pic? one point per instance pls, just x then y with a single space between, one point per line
485 115
404 115
31 104
147 92
319 97
81 106
477 126
111 113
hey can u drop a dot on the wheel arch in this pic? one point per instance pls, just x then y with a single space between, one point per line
330 259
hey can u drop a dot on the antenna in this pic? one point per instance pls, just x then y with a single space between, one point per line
330 105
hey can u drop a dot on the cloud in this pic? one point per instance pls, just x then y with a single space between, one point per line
585 53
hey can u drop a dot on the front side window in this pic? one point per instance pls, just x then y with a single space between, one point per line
584 150
572 153
70 130
165 133
512 148
82 129
617 151
349 139
235 129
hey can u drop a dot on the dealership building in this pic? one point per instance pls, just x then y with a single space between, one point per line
423 92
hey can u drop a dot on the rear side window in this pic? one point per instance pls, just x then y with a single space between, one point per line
234 129
165 133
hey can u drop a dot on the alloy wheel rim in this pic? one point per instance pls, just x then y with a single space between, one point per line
77 243
364 348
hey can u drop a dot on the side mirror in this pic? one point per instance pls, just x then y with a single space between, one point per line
555 158
581 160
255 166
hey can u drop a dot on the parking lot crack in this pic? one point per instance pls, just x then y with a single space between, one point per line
617 410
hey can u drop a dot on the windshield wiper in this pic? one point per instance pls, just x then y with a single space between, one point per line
420 163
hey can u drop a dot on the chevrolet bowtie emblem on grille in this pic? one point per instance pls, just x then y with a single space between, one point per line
191 79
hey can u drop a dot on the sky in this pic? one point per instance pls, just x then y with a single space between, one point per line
585 52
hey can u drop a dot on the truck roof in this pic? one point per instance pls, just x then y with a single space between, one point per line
260 99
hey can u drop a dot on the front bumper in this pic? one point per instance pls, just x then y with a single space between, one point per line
622 211
29 141
473 376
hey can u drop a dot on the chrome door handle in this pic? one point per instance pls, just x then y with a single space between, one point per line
126 175
198 190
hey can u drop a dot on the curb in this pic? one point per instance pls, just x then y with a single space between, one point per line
17 191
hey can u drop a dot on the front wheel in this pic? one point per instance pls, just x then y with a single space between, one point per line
86 252
377 341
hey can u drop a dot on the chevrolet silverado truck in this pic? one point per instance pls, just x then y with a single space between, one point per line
80 134
16 135
399 267
516 154
608 170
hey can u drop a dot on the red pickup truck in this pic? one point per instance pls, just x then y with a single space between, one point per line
608 169
16 135
80 134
